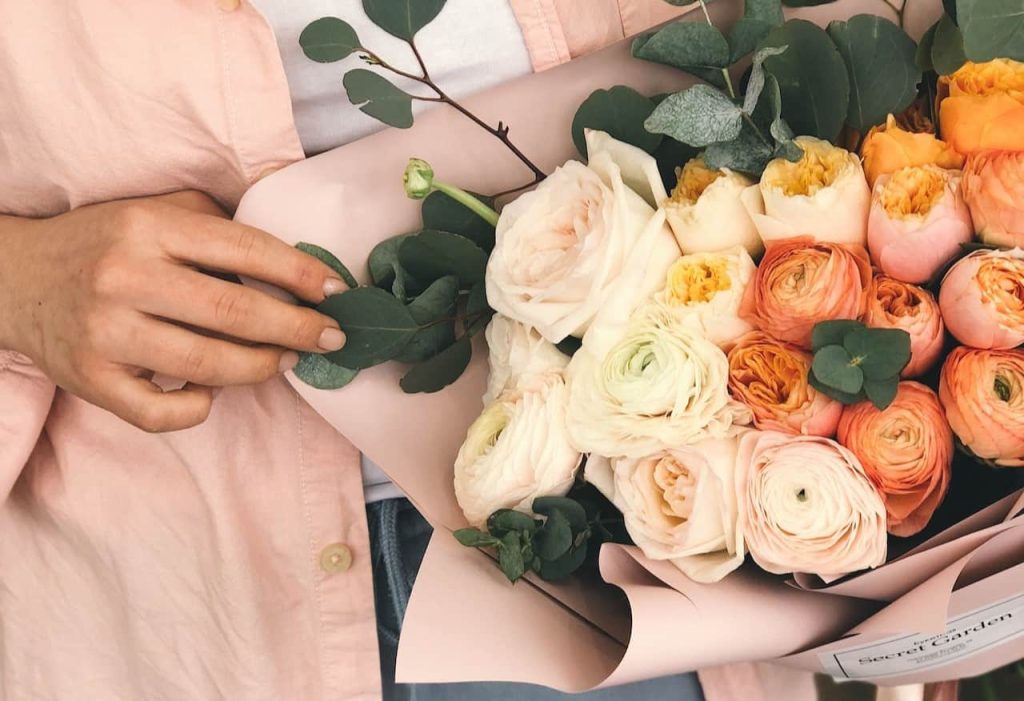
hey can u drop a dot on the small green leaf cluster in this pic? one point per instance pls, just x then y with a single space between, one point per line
425 305
553 547
853 362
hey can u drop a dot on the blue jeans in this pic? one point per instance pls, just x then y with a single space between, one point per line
398 538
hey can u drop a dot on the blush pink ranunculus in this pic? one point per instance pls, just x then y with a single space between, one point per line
802 282
982 392
994 190
982 299
918 222
899 305
907 451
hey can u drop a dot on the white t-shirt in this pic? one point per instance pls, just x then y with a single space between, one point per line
471 45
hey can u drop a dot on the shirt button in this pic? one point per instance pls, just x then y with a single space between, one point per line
229 5
335 558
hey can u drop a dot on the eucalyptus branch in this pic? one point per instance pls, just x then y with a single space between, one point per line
725 71
900 11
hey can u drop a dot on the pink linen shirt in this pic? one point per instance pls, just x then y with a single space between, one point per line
230 560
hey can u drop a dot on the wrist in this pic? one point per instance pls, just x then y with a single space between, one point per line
17 241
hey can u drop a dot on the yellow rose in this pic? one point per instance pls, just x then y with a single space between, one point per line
890 148
984 109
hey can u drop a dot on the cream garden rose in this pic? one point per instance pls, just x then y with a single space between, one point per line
679 505
806 505
561 248
517 450
516 351
824 195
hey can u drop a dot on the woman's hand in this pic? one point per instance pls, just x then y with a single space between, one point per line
104 296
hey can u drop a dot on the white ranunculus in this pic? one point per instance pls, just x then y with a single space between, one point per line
517 450
660 385
679 505
561 248
708 289
706 212
807 505
516 351
824 195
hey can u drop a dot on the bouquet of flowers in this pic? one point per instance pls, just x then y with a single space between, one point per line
776 316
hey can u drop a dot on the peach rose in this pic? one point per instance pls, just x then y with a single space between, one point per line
806 505
994 190
918 222
899 305
801 282
907 451
982 299
889 148
983 394
770 377
983 107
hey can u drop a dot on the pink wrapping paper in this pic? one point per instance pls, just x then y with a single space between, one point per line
653 621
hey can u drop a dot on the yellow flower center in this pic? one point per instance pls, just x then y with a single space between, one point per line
769 374
991 78
1002 284
912 192
694 179
697 281
819 168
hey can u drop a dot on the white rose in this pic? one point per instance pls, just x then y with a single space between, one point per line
806 505
661 385
679 505
708 288
706 212
562 247
516 351
824 195
517 450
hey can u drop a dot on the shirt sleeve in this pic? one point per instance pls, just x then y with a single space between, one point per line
25 398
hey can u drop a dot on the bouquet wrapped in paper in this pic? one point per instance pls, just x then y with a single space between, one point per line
737 378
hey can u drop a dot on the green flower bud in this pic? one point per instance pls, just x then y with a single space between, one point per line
418 179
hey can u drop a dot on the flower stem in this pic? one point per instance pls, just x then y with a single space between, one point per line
725 71
900 11
469 202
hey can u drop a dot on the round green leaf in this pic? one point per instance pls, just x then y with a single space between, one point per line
402 18
478 311
621 112
510 557
328 39
698 116
503 521
386 271
474 538
947 47
571 509
812 78
834 367
923 57
563 567
325 256
442 213
376 96
377 326
991 29
431 254
882 392
882 353
694 47
880 61
433 311
438 372
555 537
833 333
842 397
317 371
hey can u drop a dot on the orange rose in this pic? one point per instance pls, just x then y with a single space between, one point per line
890 148
984 109
801 282
906 450
899 305
770 377
983 394
982 299
993 186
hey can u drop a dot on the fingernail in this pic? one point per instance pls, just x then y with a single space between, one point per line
289 359
333 286
331 339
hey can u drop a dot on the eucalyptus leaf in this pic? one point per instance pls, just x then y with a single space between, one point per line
806 3
765 10
881 393
438 372
923 57
432 254
881 353
402 18
325 256
503 521
950 7
991 29
745 35
563 567
694 47
571 509
478 311
378 97
812 78
947 47
510 557
749 153
833 393
757 78
433 310
832 333
621 112
386 271
880 62
317 371
568 346
834 367
377 326
474 538
555 537
328 39
442 213
698 116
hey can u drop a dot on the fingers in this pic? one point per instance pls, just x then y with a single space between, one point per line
144 405
231 247
239 312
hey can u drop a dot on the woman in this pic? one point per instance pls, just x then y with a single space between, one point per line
208 541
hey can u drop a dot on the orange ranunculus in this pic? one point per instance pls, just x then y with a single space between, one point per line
993 186
984 107
890 148
801 282
983 394
907 451
982 299
899 305
771 378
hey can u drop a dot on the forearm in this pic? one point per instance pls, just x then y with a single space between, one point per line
18 265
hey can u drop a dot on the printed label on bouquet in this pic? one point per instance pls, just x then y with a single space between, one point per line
966 635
